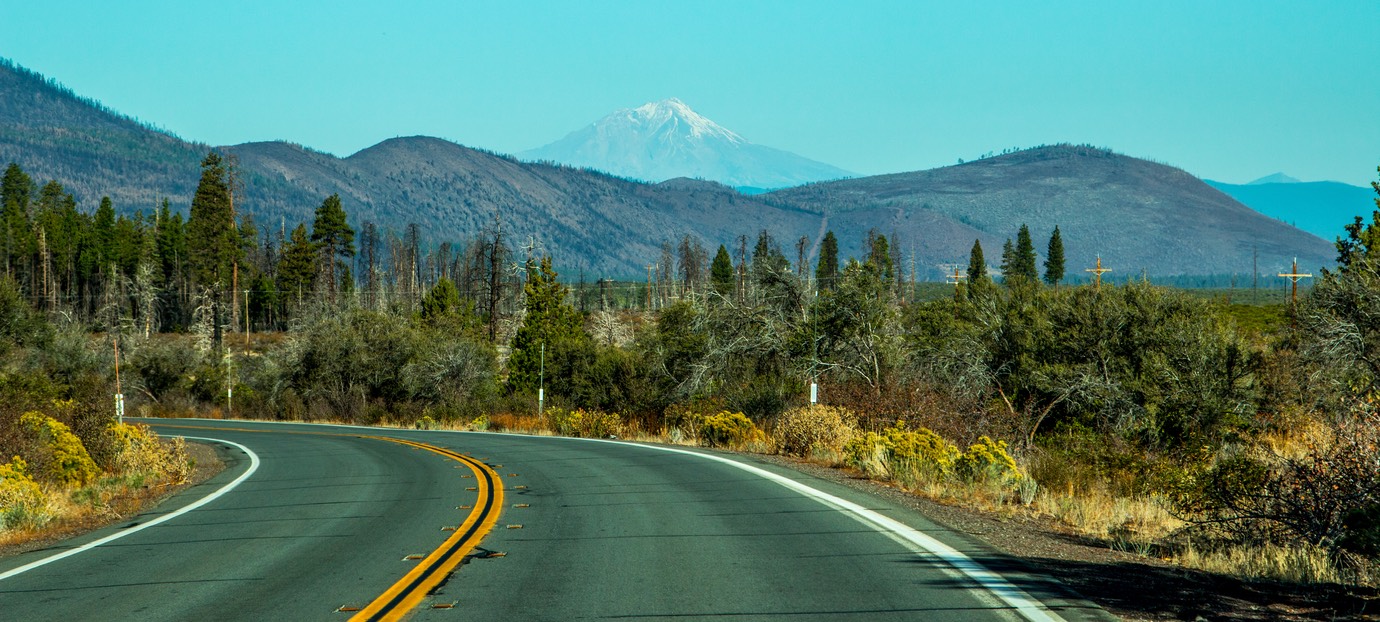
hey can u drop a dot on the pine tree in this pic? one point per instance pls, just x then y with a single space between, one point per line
335 240
879 257
16 194
1008 260
721 272
827 270
297 267
551 320
1024 259
978 280
211 231
1054 258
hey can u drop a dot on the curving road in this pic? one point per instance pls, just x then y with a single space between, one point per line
577 529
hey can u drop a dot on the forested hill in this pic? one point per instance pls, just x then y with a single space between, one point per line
94 152
603 224
1136 214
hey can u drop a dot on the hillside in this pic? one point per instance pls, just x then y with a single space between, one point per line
1137 215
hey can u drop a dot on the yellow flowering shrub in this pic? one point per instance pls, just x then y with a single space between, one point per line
18 492
66 460
138 451
581 422
987 461
897 449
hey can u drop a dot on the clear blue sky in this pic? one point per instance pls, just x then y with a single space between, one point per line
1226 90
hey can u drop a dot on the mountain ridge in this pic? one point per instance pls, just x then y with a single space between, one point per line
609 226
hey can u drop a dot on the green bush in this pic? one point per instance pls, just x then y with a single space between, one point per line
162 365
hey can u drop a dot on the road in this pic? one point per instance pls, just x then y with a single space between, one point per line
320 525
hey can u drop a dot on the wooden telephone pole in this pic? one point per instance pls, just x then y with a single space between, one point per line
955 278
1098 272
1294 275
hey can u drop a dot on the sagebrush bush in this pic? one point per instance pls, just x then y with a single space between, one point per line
19 493
64 459
581 422
800 431
729 429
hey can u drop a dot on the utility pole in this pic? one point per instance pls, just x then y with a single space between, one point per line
1294 275
955 278
1097 273
541 382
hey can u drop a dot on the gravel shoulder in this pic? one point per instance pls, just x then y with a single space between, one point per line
1130 586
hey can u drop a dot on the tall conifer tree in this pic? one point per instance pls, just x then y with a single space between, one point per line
1024 259
211 236
1054 258
978 280
335 240
721 272
827 269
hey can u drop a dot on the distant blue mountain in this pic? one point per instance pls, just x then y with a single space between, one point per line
1322 208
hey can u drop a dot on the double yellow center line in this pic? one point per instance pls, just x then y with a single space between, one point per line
409 591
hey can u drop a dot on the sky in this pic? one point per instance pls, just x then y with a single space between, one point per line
1227 90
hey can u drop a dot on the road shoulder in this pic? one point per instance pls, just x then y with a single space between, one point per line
208 463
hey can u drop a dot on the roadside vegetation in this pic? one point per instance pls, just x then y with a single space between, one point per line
1233 438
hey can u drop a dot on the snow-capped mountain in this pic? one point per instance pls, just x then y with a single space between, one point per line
666 139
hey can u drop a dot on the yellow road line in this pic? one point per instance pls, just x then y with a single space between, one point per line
408 592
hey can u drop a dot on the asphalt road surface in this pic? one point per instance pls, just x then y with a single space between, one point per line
338 523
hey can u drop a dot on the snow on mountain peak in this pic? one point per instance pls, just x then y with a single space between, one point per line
672 118
666 139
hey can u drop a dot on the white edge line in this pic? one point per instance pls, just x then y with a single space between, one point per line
253 466
1018 599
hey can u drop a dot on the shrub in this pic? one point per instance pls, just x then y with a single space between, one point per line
800 431
64 458
162 365
1324 497
898 450
19 494
987 461
581 422
728 429
140 452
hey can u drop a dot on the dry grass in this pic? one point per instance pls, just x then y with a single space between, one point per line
67 512
1291 564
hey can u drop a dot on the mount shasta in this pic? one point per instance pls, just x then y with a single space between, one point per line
665 140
